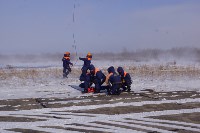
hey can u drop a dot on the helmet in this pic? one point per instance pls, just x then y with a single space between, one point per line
111 69
89 55
120 70
67 54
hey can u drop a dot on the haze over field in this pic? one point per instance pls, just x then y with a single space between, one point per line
51 26
178 56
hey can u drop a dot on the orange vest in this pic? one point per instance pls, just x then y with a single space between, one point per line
125 74
67 58
89 58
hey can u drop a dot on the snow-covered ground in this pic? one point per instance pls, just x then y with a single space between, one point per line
63 119
50 86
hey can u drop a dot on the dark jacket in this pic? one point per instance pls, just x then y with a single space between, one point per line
125 77
98 76
66 62
114 78
87 61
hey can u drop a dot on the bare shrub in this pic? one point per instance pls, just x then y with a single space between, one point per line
151 71
165 70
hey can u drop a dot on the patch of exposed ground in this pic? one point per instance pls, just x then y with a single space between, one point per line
25 130
108 126
82 130
18 119
138 109
147 95
186 117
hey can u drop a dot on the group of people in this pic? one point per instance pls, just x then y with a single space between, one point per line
115 82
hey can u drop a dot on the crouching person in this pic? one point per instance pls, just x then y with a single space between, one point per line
97 77
125 78
86 82
113 82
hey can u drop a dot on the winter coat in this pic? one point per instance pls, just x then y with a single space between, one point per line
98 76
66 62
125 77
112 78
87 61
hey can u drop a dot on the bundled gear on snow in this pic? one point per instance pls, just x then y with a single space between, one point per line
66 64
97 77
113 82
125 78
86 65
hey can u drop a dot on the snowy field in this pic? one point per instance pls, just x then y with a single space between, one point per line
165 97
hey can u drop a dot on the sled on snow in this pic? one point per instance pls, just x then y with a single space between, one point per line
90 89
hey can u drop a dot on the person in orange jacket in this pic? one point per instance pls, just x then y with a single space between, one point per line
66 64
125 78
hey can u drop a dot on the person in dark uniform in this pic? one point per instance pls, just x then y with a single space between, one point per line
86 84
125 78
97 77
66 64
86 65
113 82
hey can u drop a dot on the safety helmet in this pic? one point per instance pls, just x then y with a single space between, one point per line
89 55
120 70
67 54
111 69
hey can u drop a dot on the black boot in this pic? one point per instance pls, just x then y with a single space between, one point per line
82 85
128 88
64 75
85 91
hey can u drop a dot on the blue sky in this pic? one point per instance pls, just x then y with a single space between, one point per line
47 26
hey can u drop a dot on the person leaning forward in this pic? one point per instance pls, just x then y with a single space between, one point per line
113 82
97 77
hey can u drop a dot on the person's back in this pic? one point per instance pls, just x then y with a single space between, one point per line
114 81
115 78
97 77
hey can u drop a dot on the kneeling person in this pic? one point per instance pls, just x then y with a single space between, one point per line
125 78
113 82
97 77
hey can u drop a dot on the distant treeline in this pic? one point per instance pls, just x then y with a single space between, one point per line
183 53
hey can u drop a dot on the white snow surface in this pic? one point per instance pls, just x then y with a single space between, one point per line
59 87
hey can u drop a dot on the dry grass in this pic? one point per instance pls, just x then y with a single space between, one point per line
143 70
165 70
34 73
